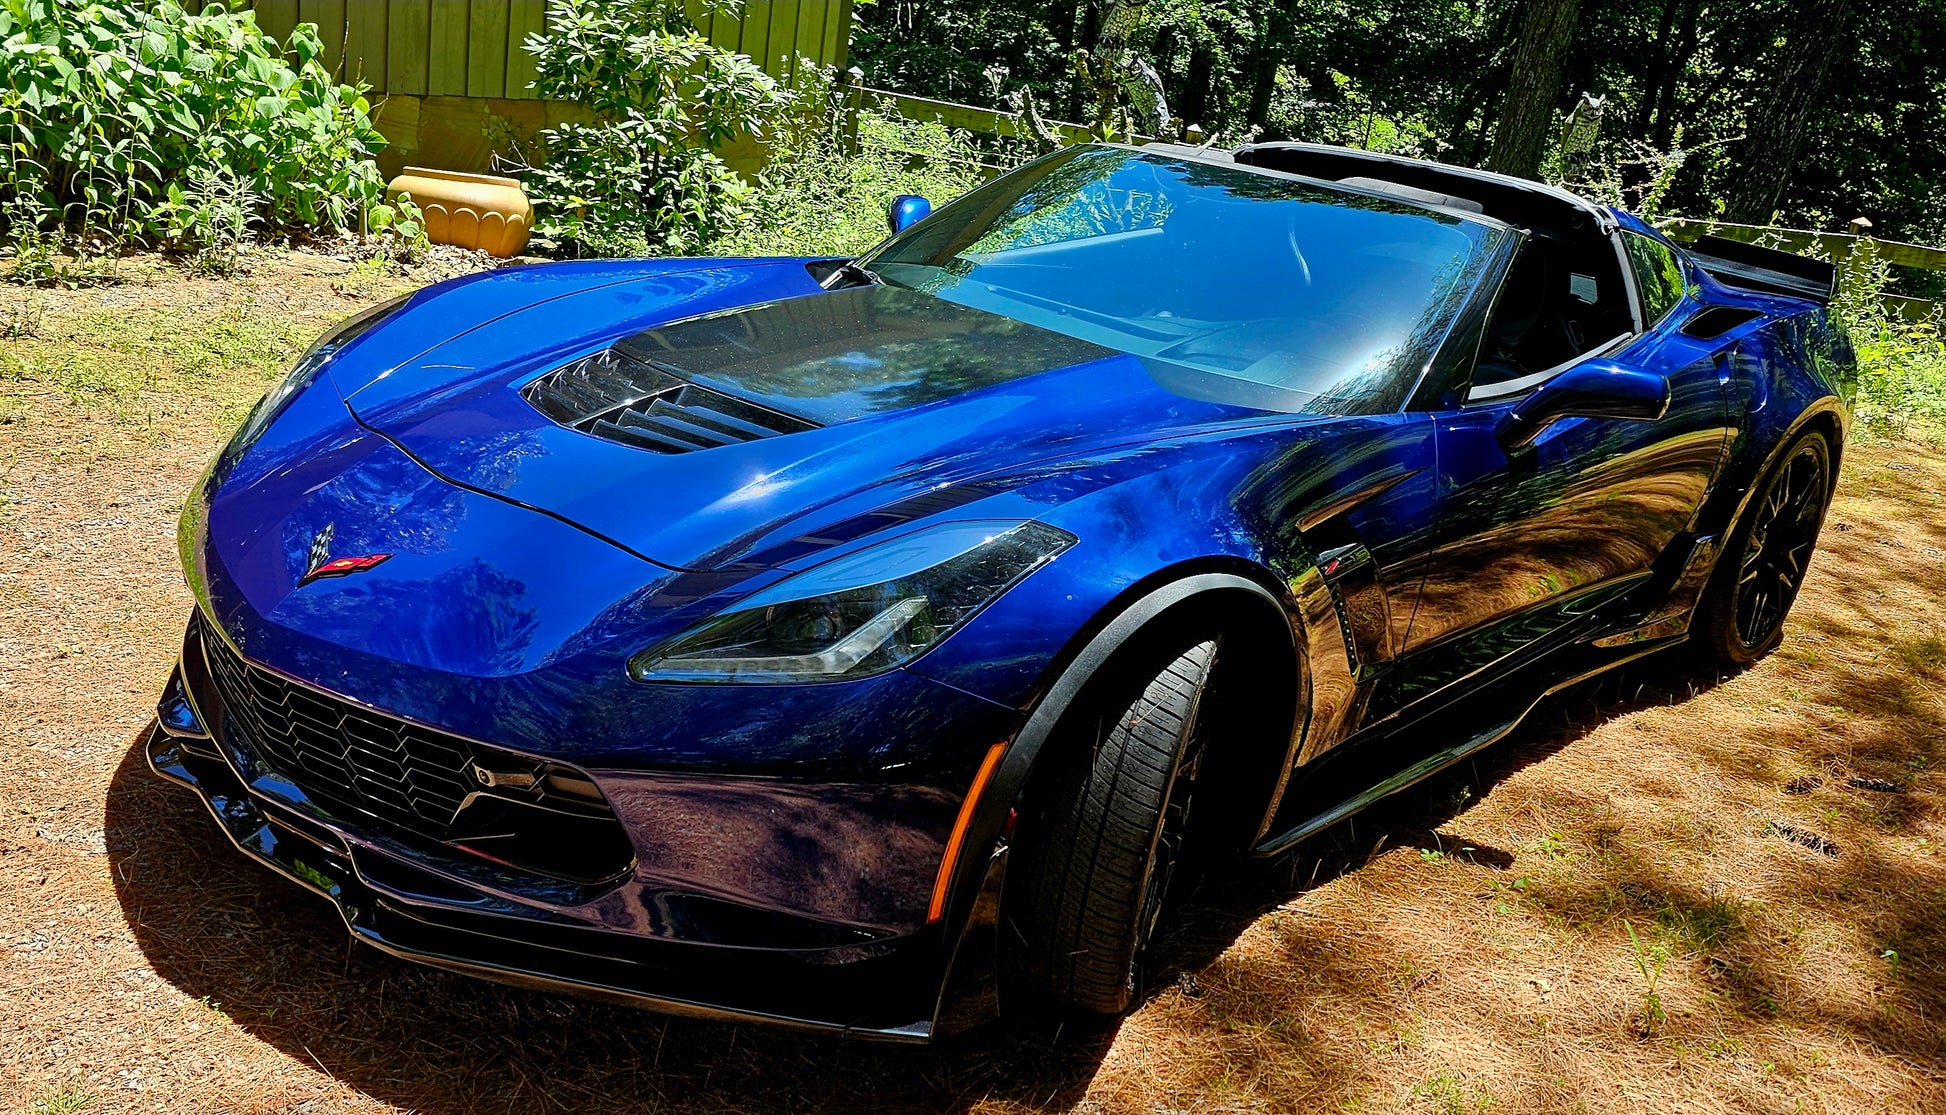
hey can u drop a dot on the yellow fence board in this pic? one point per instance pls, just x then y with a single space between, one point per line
446 45
486 49
783 39
810 36
473 48
527 17
365 47
408 47
835 43
276 18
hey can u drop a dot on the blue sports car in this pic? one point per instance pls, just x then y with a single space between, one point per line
872 644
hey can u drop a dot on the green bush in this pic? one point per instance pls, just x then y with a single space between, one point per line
824 193
644 177
1901 384
116 118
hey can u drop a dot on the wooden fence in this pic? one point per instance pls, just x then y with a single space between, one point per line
472 48
972 118
451 78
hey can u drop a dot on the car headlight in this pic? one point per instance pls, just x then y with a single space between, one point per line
861 614
307 368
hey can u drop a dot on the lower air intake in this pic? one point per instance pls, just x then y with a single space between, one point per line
393 774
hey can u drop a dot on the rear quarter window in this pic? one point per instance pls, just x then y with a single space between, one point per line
1657 272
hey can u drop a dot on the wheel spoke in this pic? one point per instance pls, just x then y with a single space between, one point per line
1778 547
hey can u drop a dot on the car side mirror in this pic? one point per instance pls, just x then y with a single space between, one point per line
1594 389
905 211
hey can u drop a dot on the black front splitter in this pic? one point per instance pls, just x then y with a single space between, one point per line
722 984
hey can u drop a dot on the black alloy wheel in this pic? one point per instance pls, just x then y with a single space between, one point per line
1783 533
1741 617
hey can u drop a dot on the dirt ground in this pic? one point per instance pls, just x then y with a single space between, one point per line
1606 913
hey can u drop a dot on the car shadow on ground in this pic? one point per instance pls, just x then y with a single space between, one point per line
278 962
1224 905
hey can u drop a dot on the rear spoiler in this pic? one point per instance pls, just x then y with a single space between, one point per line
1767 269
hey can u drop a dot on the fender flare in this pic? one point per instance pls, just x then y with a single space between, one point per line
969 988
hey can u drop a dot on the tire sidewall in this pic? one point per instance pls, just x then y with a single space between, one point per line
1074 746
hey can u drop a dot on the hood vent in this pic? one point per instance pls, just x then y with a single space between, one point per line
625 400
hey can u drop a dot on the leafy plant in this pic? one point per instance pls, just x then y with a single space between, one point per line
20 317
1649 959
123 120
62 1102
644 175
216 214
401 226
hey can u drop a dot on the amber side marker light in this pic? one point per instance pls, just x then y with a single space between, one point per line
946 864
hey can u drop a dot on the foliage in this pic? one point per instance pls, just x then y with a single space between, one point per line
1649 961
1427 78
1631 174
644 176
1901 384
217 213
123 120
62 1102
825 193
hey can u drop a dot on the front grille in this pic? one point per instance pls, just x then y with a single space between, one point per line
623 399
398 772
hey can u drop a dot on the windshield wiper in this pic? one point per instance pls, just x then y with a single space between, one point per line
856 274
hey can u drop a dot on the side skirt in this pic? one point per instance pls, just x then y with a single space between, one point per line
1361 772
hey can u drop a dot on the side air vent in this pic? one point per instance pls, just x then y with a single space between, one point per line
626 400
1715 321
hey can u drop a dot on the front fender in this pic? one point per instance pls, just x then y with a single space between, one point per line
970 990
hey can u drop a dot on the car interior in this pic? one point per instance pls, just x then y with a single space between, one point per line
1565 296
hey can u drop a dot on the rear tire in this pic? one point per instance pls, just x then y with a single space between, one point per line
1741 615
1107 839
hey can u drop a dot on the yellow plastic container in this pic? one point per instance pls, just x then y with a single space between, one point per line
469 210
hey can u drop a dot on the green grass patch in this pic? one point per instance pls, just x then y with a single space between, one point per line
62 1102
138 364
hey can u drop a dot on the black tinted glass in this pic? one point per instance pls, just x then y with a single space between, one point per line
1658 272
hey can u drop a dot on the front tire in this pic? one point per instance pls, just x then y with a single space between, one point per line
1106 841
1741 616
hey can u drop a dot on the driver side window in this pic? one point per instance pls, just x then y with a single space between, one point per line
1558 304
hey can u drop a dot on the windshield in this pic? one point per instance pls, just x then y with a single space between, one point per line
1335 299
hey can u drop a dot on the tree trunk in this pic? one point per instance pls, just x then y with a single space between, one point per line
1662 135
1658 69
1264 59
1774 133
1520 140
1194 105
1090 32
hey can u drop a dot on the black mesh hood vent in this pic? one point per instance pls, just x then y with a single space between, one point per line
635 403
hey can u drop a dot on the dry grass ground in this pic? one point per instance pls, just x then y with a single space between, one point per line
1597 916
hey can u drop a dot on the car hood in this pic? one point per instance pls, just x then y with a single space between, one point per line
878 396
